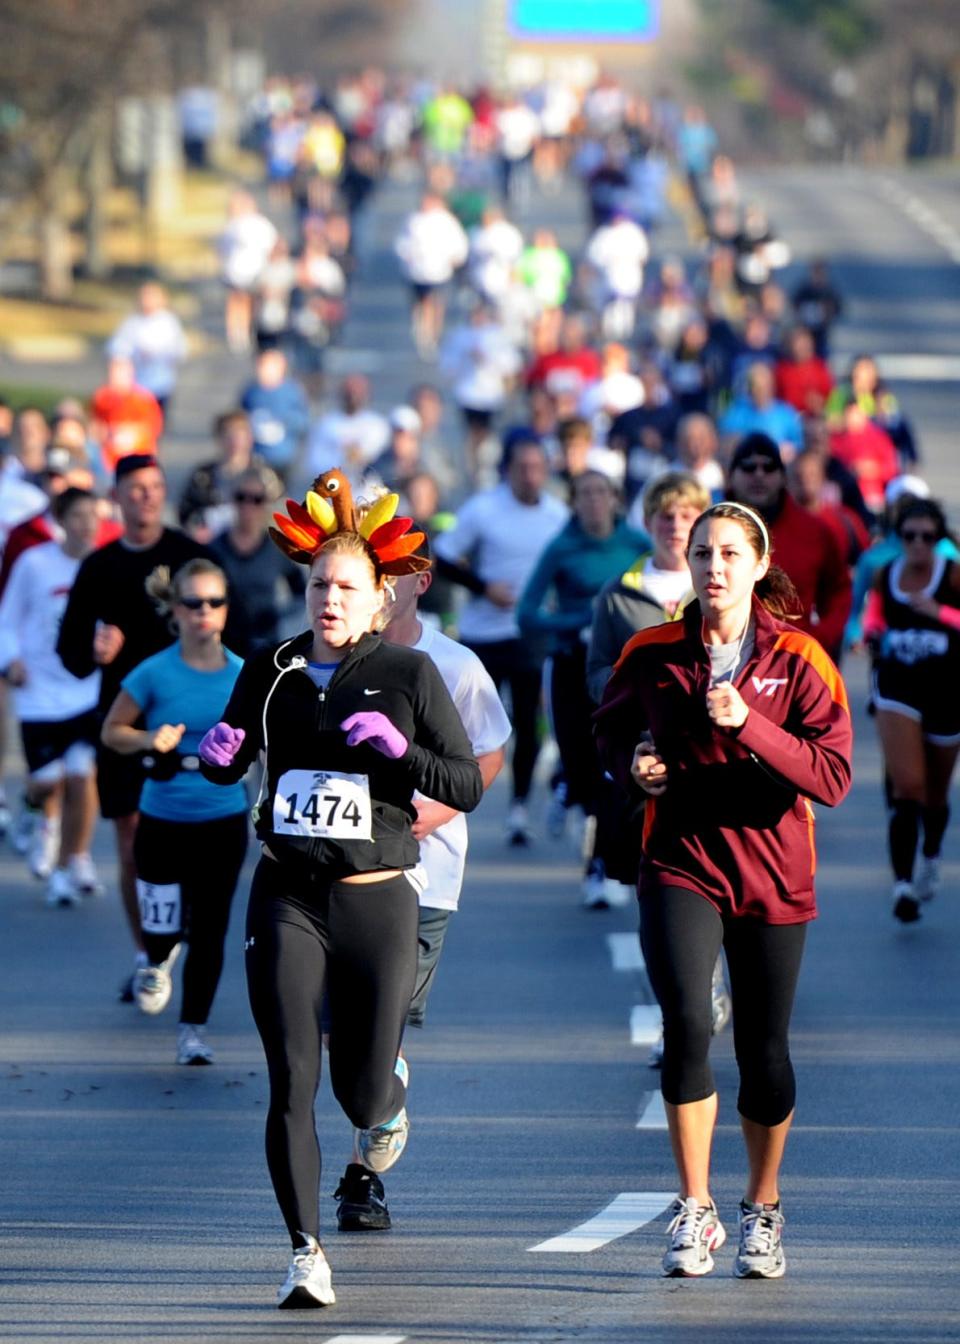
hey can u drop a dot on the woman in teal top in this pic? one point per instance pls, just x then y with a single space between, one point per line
558 600
192 835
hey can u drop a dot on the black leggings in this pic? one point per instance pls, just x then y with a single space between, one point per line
204 859
508 661
681 934
358 943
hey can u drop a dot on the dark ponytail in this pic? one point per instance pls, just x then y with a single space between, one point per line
776 592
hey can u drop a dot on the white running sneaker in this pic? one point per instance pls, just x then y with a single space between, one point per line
6 816
85 876
906 907
761 1242
518 826
594 887
380 1147
191 1047
153 985
308 1281
694 1231
43 849
24 826
61 890
926 880
655 1057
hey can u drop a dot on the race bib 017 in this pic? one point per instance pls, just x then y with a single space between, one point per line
323 805
159 906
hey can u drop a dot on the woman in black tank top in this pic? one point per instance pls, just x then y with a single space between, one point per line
913 625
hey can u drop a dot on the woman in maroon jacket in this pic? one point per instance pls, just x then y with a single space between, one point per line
731 722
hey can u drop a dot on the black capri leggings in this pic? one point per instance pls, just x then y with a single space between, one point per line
681 934
201 860
358 943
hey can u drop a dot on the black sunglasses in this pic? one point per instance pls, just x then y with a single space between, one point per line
928 538
195 603
765 465
242 498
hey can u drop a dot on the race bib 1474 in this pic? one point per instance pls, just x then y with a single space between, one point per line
323 805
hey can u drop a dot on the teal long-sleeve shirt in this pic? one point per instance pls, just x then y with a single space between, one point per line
558 598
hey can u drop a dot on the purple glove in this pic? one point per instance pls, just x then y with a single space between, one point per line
220 744
373 727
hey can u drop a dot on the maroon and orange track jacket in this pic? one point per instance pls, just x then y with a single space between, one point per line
735 822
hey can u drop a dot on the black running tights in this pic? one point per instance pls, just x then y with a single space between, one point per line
681 934
202 858
357 942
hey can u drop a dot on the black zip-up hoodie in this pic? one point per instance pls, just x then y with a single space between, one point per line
303 733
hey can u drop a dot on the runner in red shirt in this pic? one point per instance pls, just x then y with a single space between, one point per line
126 418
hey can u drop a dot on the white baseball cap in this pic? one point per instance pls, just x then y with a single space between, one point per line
406 418
905 485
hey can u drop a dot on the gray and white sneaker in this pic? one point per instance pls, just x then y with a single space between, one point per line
380 1147
308 1283
85 876
153 985
61 890
44 844
926 880
694 1231
655 1057
906 907
761 1242
191 1047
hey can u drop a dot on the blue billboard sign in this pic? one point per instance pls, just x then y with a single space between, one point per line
584 20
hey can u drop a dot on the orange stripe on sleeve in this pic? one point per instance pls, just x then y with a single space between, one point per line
795 641
672 633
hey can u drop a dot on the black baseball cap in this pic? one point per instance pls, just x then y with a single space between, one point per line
756 445
134 462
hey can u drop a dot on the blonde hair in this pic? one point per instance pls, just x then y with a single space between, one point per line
351 543
674 487
165 591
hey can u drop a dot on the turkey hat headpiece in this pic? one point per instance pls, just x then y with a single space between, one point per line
329 509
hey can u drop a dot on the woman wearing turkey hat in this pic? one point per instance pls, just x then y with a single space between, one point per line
349 727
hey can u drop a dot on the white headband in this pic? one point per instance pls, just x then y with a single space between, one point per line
733 504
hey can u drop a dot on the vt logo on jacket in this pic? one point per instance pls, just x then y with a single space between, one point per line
767 685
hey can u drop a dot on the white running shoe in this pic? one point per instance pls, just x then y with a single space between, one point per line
308 1282
518 826
24 826
191 1047
761 1242
619 894
6 816
61 890
655 1057
380 1147
153 985
906 907
43 849
694 1231
85 876
594 887
926 880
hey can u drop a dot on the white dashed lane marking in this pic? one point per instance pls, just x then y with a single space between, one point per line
652 1115
645 1022
924 216
623 1215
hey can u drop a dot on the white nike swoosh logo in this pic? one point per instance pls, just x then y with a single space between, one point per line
366 692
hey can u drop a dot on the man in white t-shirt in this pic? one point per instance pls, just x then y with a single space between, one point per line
154 339
431 246
492 550
442 833
352 437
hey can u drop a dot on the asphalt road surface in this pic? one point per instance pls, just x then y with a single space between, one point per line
134 1201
